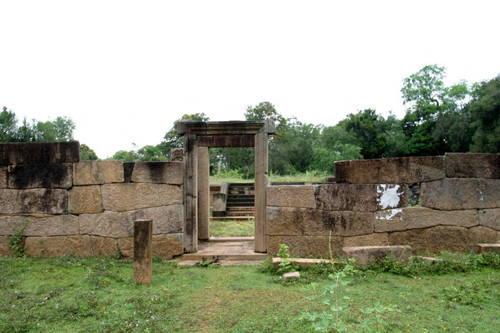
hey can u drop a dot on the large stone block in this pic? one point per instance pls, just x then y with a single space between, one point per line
108 224
304 221
5 247
39 153
420 217
158 172
3 177
459 193
85 200
360 197
98 172
306 246
103 246
32 201
40 176
58 246
291 196
375 239
57 225
166 219
472 165
368 255
478 235
490 218
433 240
165 246
390 170
125 197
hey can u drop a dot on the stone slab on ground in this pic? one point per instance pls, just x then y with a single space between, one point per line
303 262
365 255
486 248
223 262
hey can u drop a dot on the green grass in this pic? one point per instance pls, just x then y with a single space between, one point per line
308 177
232 228
98 295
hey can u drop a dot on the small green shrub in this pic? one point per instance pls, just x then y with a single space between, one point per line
17 239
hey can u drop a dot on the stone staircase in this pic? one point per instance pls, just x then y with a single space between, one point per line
240 204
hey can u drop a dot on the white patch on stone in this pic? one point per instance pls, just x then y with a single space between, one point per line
389 214
388 196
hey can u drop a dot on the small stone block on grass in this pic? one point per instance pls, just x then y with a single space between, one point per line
291 275
486 248
366 255
303 262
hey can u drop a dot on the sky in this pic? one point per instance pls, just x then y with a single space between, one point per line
124 71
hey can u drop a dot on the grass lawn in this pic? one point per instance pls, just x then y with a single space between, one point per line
98 295
232 228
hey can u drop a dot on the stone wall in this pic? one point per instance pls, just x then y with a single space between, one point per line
459 206
89 207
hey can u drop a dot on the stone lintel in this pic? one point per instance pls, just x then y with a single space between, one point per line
214 141
225 127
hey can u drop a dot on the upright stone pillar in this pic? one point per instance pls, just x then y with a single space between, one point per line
203 193
143 251
261 171
190 194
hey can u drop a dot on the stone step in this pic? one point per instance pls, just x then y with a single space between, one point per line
486 248
232 217
224 262
225 250
365 255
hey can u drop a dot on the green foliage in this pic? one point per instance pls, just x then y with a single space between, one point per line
87 154
285 265
333 295
17 239
60 129
485 111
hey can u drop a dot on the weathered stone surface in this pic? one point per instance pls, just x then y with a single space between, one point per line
39 153
158 172
390 170
472 165
57 246
305 246
291 275
367 255
165 246
482 235
305 221
166 219
124 197
108 224
433 240
85 200
40 176
355 197
5 248
490 218
360 197
459 193
57 225
43 201
103 246
98 172
177 154
375 239
3 177
420 217
291 196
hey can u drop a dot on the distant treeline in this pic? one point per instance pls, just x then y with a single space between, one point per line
438 119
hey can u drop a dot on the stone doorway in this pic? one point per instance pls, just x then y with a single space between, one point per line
198 138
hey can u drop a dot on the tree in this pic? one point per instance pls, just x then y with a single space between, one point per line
431 102
87 154
8 125
172 139
335 144
485 112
